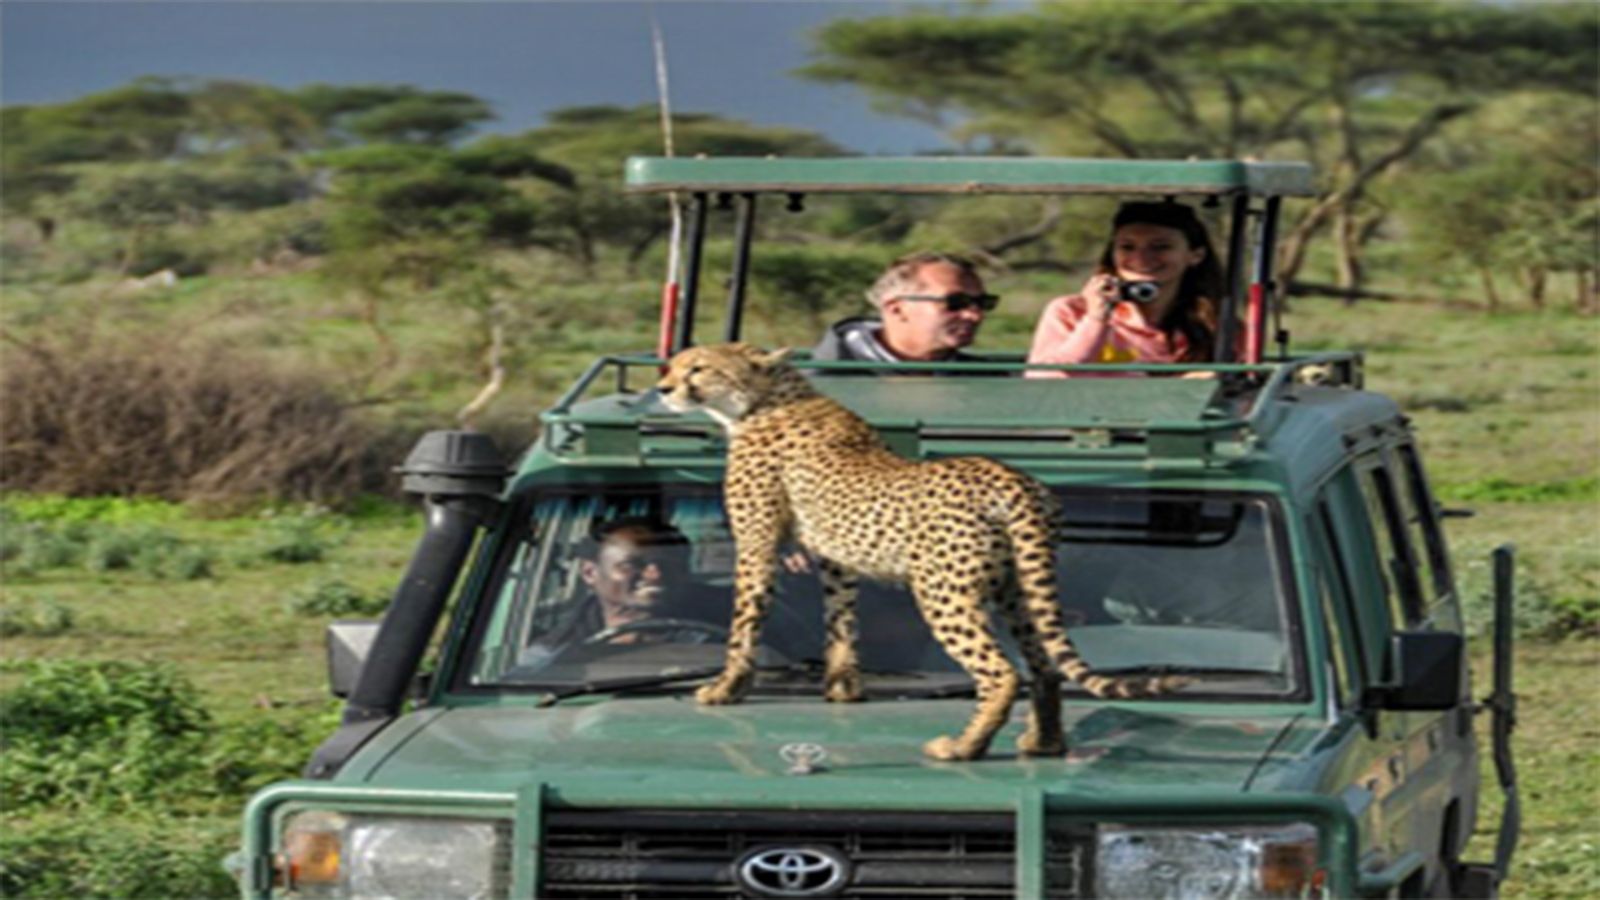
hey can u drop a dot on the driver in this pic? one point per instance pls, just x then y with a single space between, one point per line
635 568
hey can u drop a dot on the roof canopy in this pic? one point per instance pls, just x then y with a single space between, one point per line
967 175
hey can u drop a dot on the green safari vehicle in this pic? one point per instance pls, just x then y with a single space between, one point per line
1268 530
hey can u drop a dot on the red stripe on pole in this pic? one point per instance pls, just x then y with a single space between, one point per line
669 315
1255 322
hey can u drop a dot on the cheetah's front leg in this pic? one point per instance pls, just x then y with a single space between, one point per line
753 581
842 672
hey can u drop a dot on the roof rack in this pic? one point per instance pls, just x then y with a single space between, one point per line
1252 192
967 175
1148 423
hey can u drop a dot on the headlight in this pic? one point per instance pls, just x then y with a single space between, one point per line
1208 863
329 855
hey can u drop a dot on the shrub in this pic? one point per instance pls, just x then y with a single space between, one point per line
155 418
149 856
336 597
246 757
53 543
37 548
114 549
99 734
297 537
190 563
37 618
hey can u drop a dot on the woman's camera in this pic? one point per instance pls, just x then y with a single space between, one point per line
1137 291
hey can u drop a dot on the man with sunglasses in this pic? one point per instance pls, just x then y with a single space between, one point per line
930 306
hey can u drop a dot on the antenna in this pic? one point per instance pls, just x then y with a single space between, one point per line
669 290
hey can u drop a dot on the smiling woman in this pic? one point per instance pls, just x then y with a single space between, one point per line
1154 298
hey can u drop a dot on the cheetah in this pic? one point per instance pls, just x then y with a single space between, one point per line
803 467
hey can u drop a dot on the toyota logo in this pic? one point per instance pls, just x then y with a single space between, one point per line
793 871
803 759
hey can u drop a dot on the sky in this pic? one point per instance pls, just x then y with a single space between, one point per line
525 57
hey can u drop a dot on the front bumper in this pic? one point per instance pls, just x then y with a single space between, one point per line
580 839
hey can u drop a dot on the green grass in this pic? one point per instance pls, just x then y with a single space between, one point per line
1558 773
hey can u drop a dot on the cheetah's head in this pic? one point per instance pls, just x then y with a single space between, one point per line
725 380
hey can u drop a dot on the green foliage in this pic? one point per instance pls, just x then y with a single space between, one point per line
54 508
119 736
1512 192
429 200
46 532
1358 87
817 284
147 856
304 536
36 618
392 113
334 597
1496 489
98 733
134 196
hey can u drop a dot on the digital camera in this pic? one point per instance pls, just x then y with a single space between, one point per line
1137 291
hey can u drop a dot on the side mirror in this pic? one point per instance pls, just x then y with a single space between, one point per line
1428 670
349 642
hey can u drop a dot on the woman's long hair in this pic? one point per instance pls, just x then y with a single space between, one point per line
1198 309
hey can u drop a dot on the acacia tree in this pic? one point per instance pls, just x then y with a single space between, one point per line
392 114
1355 87
1517 194
592 142
430 218
48 148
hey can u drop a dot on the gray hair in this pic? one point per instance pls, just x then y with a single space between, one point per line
902 276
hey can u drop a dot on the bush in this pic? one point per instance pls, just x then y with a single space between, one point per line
154 419
156 857
132 738
336 597
83 733
34 546
297 537
37 618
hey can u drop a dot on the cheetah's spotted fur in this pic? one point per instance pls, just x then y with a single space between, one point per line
802 466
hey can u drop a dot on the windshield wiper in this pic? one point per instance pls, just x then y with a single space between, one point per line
631 683
662 679
1163 669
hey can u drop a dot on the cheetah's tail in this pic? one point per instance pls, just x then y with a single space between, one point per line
1033 527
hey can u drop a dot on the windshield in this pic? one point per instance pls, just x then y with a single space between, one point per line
629 585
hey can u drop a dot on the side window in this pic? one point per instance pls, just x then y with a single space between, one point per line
1339 647
1422 523
1355 570
1393 546
1333 586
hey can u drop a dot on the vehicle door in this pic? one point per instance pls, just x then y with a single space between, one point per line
1376 513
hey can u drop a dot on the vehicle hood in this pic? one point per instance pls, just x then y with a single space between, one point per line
661 746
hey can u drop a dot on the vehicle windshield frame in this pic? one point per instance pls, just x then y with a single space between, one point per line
461 680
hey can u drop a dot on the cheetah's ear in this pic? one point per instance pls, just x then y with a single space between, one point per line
780 355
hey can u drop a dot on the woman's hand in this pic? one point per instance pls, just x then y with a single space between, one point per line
1100 297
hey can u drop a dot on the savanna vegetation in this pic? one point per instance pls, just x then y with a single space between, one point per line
229 309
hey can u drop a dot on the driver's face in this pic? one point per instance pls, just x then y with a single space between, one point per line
631 576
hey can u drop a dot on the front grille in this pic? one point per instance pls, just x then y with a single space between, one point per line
675 855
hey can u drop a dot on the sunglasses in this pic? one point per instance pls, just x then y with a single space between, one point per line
957 301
